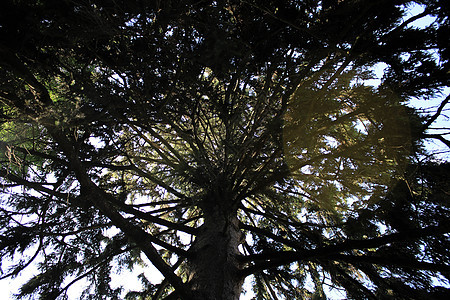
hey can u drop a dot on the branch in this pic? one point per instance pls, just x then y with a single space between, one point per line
156 147
438 137
279 258
437 114
69 198
143 240
390 261
299 28
270 235
19 269
264 277
409 21
350 283
149 217
12 61
164 283
156 180
33 185
93 269
280 218
102 201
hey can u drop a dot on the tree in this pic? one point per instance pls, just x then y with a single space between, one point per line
223 139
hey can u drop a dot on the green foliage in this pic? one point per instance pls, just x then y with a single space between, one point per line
131 128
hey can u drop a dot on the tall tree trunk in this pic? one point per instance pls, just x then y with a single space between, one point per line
215 266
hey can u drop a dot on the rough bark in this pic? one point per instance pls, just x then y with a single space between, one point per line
214 269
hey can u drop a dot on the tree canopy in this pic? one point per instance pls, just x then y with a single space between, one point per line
221 140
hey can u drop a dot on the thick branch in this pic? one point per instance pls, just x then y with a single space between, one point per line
275 259
438 137
390 261
270 235
12 61
149 217
103 201
74 200
437 114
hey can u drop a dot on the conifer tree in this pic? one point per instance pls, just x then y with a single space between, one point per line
221 140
